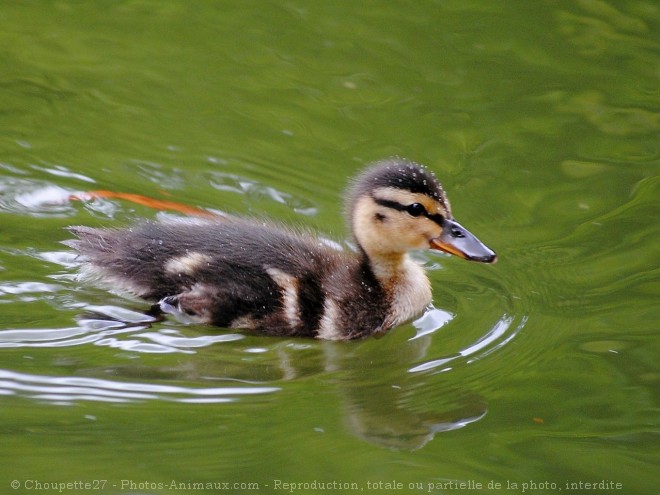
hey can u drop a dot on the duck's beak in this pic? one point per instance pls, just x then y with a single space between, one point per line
457 240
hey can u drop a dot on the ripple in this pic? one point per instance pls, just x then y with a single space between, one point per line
61 171
34 198
431 321
500 334
11 292
610 119
68 389
114 327
42 199
162 176
27 288
228 182
66 259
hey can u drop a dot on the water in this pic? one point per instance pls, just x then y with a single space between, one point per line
540 118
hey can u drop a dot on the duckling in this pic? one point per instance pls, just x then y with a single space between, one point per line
242 273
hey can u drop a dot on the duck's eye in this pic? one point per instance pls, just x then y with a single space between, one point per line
416 209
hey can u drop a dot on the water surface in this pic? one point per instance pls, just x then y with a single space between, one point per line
542 121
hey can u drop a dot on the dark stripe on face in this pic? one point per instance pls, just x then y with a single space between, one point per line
395 205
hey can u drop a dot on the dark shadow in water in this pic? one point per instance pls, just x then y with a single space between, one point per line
379 415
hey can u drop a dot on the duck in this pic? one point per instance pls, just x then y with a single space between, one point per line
271 279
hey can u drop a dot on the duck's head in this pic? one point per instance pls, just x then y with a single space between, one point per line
397 205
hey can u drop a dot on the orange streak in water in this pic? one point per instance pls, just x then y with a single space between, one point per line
157 204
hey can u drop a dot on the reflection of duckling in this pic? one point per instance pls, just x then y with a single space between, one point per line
240 273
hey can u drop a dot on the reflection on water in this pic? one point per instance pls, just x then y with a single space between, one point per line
33 198
383 412
431 321
499 335
379 414
253 190
113 327
67 389
401 412
38 198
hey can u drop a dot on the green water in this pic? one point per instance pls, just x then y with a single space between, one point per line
538 373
